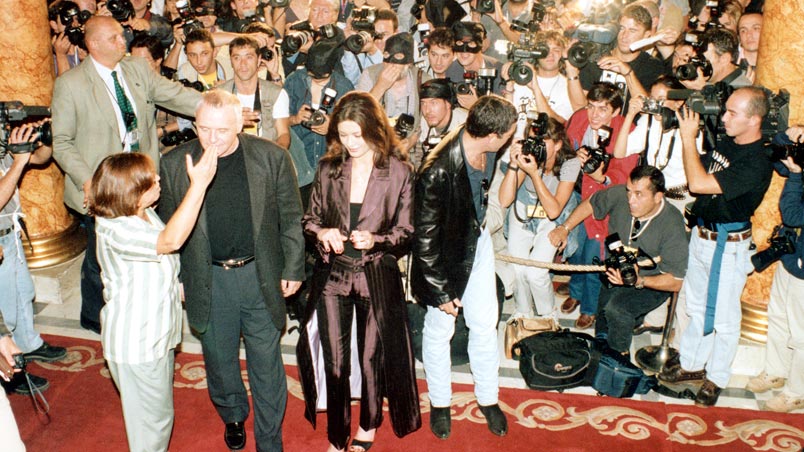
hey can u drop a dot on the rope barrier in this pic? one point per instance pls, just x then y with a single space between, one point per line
565 267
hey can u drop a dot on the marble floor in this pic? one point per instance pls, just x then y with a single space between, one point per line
58 306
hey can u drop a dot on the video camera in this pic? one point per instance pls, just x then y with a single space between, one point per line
302 33
782 241
598 155
319 115
527 50
15 111
533 144
187 17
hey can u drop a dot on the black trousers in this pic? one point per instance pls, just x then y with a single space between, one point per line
91 283
346 293
238 308
620 309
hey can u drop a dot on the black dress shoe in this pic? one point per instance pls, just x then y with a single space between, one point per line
677 374
708 394
235 435
440 422
495 418
19 384
46 353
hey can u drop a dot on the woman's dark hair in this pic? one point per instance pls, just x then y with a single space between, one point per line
119 183
151 43
555 131
669 81
362 108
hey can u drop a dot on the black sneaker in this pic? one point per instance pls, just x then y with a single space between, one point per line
19 384
46 353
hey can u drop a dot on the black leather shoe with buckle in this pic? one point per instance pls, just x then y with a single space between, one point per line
708 394
498 424
235 435
440 422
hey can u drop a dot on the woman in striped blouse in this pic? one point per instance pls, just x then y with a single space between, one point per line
141 321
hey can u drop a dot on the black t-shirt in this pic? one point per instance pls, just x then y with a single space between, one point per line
743 173
228 206
663 235
646 68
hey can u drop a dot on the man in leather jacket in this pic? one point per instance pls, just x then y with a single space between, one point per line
453 258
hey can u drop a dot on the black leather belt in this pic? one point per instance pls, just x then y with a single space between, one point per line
234 263
6 231
348 263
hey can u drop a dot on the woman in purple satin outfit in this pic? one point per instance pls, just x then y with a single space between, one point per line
360 219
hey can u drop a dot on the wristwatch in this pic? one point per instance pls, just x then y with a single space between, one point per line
640 283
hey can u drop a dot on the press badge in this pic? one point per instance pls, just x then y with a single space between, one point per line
133 139
536 211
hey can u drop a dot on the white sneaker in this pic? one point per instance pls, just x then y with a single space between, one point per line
784 403
764 382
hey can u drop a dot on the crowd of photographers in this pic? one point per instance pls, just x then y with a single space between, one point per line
626 110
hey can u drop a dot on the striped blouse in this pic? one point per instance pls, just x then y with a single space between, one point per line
141 320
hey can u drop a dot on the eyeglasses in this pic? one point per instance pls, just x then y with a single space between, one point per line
636 225
484 184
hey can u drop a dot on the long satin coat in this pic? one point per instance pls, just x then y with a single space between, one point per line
386 211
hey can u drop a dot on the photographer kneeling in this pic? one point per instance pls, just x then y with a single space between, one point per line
640 216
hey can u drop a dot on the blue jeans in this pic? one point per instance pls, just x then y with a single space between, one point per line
17 294
480 308
585 286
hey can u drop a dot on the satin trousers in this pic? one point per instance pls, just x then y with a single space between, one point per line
346 297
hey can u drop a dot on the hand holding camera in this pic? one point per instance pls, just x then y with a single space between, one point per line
11 359
688 122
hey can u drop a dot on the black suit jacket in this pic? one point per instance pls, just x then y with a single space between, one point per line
276 214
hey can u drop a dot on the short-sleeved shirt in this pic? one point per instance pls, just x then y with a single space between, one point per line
568 173
646 68
142 316
743 173
664 149
662 235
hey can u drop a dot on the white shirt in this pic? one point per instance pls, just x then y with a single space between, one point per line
106 75
668 160
141 321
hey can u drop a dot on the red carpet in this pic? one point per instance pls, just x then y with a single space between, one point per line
86 416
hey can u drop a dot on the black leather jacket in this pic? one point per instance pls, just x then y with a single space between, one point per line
446 229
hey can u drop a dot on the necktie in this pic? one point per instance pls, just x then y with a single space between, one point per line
129 118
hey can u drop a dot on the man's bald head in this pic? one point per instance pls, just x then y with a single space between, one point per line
104 39
96 24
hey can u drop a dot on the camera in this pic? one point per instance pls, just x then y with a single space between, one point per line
302 33
485 6
186 17
178 137
363 18
404 125
196 85
781 152
249 17
266 53
121 10
652 106
356 42
469 80
598 155
319 116
620 259
15 111
279 3
708 101
429 144
689 71
594 40
525 51
533 144
417 9
485 80
782 242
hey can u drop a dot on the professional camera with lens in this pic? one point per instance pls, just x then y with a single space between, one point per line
652 106
781 152
249 17
357 42
656 107
594 41
121 10
279 3
620 259
527 50
469 80
404 125
319 116
417 9
782 241
178 137
266 53
485 80
66 15
302 33
708 101
196 85
598 155
689 71
187 17
485 6
715 12
363 18
15 111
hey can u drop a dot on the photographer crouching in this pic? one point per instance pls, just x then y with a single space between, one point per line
784 355
642 224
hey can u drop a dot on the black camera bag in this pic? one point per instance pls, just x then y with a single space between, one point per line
557 360
617 376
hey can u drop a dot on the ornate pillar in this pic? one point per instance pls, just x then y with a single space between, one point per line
779 65
26 74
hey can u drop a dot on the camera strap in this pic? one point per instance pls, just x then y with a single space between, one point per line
39 401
